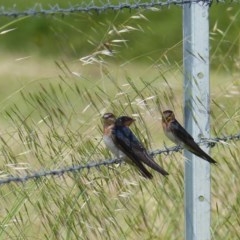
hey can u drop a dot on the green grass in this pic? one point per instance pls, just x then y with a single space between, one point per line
51 118
56 123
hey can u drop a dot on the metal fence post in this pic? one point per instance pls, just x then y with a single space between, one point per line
196 114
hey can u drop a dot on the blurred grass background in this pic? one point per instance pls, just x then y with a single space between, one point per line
56 81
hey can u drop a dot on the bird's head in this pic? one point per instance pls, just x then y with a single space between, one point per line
124 121
108 119
168 116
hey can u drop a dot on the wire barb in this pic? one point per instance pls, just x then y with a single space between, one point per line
211 142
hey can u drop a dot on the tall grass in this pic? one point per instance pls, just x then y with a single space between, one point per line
56 122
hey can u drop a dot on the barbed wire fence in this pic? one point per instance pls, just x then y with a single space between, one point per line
71 169
39 9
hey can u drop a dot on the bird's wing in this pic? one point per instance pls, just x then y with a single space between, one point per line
130 145
123 138
180 133
188 142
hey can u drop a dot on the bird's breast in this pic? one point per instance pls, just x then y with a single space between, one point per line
112 147
172 137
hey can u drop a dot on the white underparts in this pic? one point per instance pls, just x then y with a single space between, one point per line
112 147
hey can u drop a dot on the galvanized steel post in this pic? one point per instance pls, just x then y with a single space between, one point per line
196 118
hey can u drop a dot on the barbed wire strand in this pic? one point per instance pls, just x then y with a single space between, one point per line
38 9
211 142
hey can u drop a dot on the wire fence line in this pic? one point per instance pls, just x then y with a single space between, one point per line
38 8
211 142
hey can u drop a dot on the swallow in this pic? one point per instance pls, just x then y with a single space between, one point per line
176 133
109 120
128 143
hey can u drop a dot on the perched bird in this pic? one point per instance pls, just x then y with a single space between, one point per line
176 133
127 142
109 120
